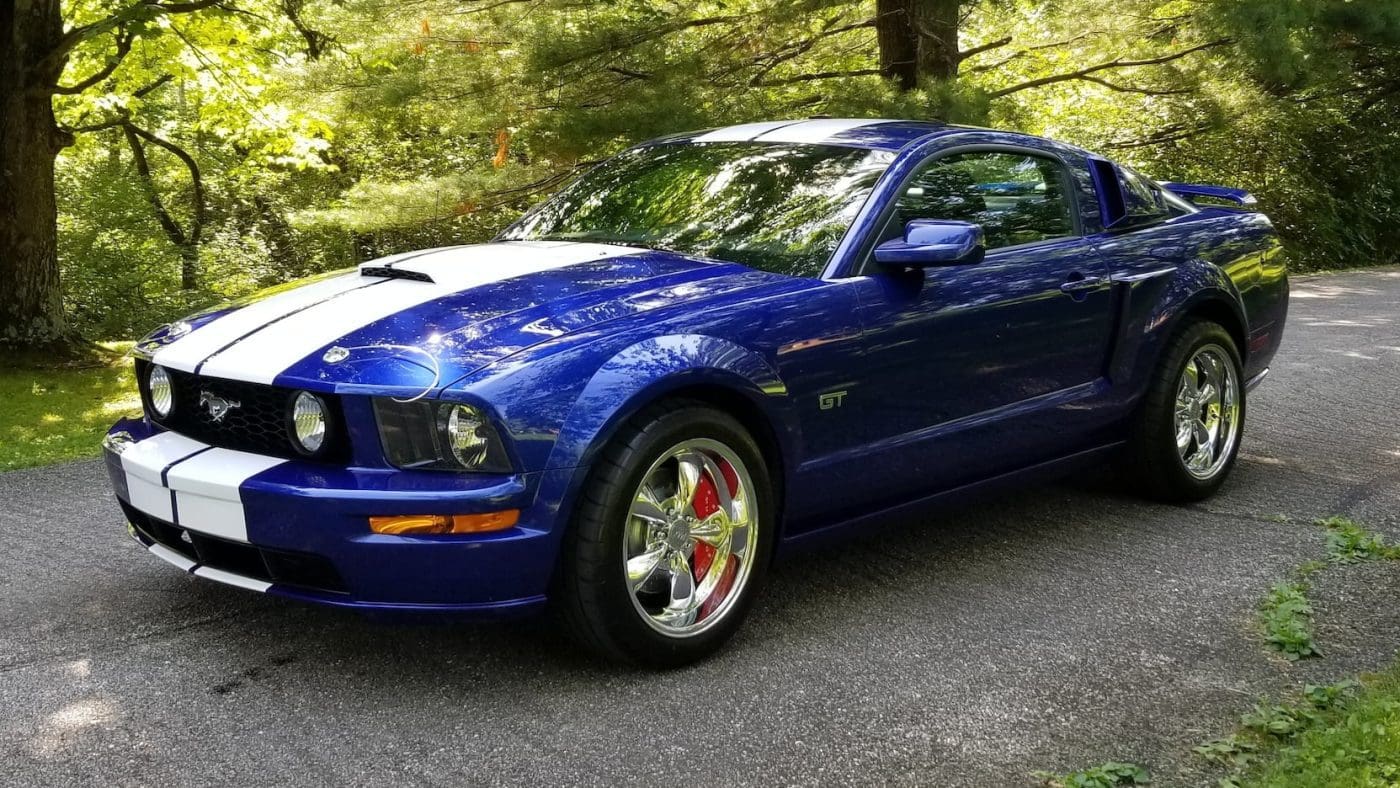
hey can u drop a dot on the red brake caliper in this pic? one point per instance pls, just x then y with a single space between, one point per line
707 503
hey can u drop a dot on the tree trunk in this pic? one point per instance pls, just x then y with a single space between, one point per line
31 306
936 22
918 39
898 43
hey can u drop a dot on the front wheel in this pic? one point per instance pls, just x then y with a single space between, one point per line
671 538
1188 430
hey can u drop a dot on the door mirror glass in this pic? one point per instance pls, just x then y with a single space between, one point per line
931 242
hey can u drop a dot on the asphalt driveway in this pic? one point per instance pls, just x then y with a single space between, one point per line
1054 628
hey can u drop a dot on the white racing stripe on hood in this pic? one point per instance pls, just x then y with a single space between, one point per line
264 355
186 353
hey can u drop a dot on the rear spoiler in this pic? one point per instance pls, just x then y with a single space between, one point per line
1195 191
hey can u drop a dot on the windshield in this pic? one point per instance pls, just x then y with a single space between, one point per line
779 208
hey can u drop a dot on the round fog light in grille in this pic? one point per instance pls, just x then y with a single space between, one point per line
308 422
162 394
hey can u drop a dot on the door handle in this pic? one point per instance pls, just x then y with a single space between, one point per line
1079 283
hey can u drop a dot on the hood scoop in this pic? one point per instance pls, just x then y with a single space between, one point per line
385 272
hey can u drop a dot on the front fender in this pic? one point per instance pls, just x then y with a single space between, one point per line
651 369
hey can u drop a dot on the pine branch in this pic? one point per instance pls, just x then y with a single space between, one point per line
805 46
1142 91
987 47
1083 73
863 72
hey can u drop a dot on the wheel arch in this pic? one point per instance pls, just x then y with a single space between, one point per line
708 370
1220 309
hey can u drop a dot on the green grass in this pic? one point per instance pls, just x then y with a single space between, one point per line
1287 620
1105 775
60 414
1341 736
1349 542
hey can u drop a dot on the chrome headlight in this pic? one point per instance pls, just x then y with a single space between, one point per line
433 435
159 392
308 419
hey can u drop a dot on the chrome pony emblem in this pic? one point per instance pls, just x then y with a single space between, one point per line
218 407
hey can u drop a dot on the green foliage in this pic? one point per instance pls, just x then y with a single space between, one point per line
1232 751
1349 542
56 415
1287 621
1106 775
1344 734
329 132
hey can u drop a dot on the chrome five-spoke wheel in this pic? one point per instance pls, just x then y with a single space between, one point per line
691 537
1207 412
669 546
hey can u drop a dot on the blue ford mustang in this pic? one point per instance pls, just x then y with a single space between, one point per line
711 347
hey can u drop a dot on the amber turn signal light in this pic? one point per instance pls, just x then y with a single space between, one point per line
420 524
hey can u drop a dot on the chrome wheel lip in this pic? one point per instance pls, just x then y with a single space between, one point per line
1206 414
674 530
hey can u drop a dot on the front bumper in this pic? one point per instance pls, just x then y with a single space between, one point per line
300 530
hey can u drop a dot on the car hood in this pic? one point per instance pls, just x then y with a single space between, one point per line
424 319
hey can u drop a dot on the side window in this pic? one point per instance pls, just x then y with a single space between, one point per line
1016 198
1143 200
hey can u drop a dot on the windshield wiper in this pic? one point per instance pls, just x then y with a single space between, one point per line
590 238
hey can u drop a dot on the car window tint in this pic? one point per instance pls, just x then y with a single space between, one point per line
1144 201
777 207
1016 198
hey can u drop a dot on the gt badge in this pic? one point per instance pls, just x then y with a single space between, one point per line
831 399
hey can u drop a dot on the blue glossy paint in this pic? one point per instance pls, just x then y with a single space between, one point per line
952 378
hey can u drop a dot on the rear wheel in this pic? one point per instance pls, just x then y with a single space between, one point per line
1188 431
671 538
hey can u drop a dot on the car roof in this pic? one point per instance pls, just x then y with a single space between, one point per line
873 134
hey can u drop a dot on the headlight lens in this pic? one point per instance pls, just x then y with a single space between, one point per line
160 392
439 436
467 434
308 419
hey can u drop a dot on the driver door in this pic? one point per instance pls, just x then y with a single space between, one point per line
973 370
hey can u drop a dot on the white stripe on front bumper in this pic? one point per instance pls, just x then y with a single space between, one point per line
170 556
219 575
207 486
144 464
191 484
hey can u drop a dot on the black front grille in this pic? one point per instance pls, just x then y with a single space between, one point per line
284 567
259 423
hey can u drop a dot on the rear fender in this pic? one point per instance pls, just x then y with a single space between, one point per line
1154 309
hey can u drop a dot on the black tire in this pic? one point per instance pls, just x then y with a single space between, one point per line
1155 467
592 596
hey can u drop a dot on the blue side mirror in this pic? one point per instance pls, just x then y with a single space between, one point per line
929 242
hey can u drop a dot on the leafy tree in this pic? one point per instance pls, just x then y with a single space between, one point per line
204 150
37 47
